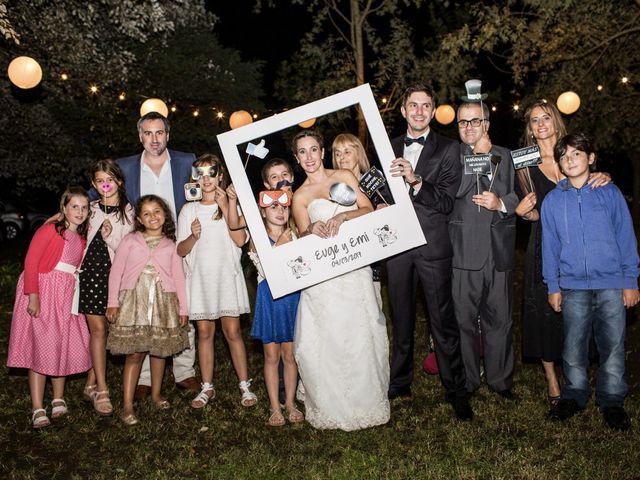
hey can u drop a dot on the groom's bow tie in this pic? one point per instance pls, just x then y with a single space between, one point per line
408 140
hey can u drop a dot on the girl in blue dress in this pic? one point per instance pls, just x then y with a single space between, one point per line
274 320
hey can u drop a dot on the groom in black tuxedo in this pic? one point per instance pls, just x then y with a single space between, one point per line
430 165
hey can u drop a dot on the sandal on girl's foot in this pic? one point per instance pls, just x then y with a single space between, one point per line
249 398
88 392
206 394
59 408
294 415
102 403
276 419
162 404
130 419
39 418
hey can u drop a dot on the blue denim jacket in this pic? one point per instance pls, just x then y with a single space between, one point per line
588 242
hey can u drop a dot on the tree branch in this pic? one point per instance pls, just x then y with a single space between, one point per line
339 30
602 44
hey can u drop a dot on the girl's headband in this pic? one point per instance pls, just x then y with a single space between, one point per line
268 198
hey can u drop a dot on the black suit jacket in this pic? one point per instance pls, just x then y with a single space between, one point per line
474 232
440 169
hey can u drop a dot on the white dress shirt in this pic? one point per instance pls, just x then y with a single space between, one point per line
160 185
412 153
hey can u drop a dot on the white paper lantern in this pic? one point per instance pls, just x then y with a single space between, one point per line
568 102
154 105
24 72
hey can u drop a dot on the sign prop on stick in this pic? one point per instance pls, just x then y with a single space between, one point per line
524 158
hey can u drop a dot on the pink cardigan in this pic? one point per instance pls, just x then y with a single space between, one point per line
131 257
45 251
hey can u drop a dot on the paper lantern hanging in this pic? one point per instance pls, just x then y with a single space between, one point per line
240 119
445 114
24 72
307 123
154 105
568 102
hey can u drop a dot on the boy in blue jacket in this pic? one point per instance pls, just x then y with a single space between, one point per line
590 266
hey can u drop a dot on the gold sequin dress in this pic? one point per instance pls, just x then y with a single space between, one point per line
148 319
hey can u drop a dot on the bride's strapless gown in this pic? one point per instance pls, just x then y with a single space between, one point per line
341 347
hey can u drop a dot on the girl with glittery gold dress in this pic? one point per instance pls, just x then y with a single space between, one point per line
147 300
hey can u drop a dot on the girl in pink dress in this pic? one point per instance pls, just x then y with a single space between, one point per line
48 337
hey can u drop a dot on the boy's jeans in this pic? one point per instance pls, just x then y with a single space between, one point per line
604 312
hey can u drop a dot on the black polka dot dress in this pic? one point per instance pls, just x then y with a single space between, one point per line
94 277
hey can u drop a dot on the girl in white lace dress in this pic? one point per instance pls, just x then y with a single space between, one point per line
340 340
216 286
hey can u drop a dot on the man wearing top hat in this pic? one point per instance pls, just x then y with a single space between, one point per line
430 166
482 227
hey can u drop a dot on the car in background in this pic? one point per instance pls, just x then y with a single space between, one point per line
19 219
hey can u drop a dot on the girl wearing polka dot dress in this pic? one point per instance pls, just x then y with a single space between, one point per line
147 302
48 337
110 219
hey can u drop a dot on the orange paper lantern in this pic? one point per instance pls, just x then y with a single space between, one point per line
24 72
307 123
445 114
240 119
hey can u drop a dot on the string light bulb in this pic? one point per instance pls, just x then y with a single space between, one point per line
173 109
255 115
220 115
196 113
624 79
493 109
599 88
516 107
64 76
384 100
122 97
93 89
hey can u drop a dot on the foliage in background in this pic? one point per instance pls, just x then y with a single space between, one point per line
150 48
543 48
393 53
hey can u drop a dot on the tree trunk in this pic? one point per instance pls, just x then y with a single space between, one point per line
356 38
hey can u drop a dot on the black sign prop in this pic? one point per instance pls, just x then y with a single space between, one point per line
477 164
371 182
526 157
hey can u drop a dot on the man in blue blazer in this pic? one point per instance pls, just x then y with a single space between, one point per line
163 172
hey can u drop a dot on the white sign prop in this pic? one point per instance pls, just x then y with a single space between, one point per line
477 164
361 241
526 157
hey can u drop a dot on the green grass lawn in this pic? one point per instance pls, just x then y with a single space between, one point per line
423 440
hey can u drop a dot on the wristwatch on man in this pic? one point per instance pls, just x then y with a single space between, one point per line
417 180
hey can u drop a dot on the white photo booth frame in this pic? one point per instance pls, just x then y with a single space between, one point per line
310 260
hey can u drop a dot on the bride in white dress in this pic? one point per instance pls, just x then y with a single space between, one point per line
340 341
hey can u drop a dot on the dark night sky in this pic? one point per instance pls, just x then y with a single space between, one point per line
271 36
